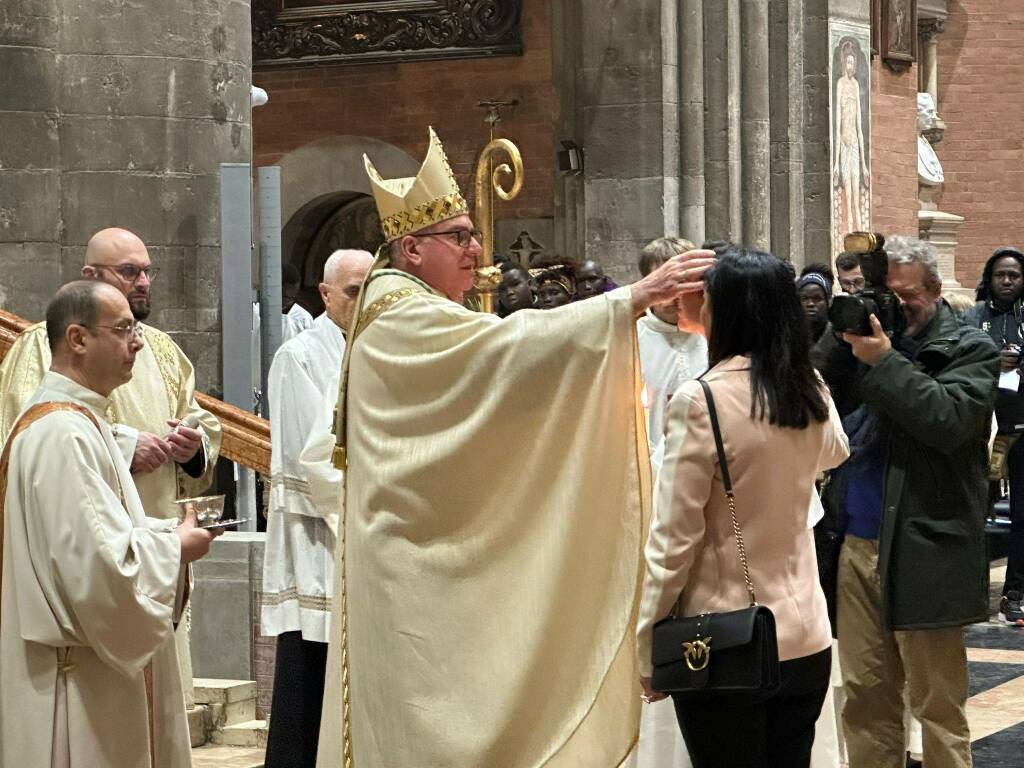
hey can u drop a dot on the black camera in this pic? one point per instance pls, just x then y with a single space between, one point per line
851 314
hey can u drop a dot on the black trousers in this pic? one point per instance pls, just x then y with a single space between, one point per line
298 699
1015 556
738 731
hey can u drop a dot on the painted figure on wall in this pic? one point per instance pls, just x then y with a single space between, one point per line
851 176
899 18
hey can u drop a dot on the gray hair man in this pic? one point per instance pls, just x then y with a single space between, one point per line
912 570
298 564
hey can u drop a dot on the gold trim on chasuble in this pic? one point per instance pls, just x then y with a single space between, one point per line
33 414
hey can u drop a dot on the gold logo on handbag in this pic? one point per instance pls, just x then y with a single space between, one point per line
697 654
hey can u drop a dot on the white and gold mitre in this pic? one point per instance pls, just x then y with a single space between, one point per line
410 204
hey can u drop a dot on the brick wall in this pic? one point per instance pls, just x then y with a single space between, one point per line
396 102
981 99
894 202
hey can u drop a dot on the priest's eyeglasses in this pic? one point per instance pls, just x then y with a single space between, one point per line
127 331
462 237
129 272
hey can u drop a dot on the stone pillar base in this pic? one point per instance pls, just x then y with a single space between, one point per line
940 229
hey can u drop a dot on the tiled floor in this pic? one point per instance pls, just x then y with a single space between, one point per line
995 654
995 710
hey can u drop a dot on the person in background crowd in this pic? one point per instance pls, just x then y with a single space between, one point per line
591 280
770 403
556 282
999 314
912 568
815 290
516 290
296 318
851 278
824 270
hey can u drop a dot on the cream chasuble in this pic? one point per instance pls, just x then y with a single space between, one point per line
90 581
491 574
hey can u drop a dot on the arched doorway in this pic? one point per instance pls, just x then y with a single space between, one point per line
326 203
339 220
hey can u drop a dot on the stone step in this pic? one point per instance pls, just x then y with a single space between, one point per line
213 691
197 725
248 734
212 756
229 701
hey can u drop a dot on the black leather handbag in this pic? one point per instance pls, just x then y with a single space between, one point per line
718 653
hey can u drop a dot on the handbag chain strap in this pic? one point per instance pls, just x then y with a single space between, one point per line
730 496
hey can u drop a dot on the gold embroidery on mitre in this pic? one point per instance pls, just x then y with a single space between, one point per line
409 204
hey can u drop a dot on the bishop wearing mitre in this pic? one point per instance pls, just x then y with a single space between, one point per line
487 577
89 585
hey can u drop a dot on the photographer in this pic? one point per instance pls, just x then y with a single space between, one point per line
998 313
912 569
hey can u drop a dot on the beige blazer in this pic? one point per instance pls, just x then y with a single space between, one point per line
692 550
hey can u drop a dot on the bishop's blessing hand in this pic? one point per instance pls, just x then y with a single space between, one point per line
682 274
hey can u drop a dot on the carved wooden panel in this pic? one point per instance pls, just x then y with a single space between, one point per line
298 32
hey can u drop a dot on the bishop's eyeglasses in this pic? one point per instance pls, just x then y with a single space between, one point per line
462 237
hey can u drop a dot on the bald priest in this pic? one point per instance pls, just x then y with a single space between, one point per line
485 607
89 585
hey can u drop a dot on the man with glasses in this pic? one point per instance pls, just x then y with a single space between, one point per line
851 278
487 584
170 443
91 584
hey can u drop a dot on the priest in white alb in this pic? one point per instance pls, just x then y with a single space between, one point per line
486 580
89 586
298 561
169 442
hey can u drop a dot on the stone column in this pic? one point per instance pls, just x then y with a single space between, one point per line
704 118
765 147
119 115
935 226
755 127
30 226
691 120
627 101
929 31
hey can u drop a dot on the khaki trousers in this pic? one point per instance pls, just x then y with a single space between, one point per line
931 665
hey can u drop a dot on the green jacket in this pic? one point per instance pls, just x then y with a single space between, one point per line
936 410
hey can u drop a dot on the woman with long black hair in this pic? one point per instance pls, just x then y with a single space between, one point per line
779 429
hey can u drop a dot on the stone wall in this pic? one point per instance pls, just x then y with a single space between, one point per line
981 100
894 200
395 103
115 114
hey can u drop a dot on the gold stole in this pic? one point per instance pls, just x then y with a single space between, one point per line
30 416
